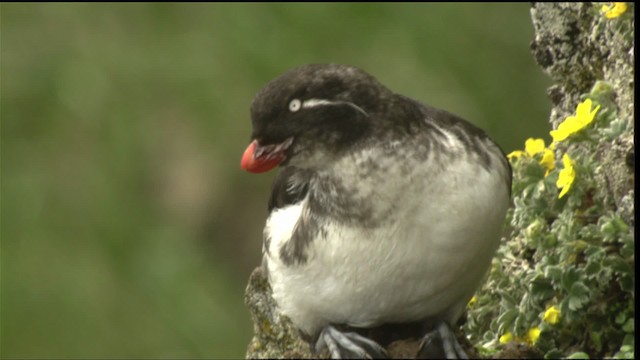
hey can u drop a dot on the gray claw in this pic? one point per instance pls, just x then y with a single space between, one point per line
348 345
450 345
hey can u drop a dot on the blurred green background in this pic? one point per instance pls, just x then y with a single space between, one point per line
128 229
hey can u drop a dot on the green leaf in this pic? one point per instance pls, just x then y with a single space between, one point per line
508 302
592 268
578 296
541 290
569 277
616 128
521 324
621 318
612 228
550 241
618 264
601 89
628 249
553 272
629 340
594 252
578 355
626 283
626 351
506 319
533 170
629 326
596 338
554 354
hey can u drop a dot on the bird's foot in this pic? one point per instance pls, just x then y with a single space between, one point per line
443 334
348 345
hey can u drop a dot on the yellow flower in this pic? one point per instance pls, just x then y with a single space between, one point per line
574 123
566 176
516 154
472 301
548 160
506 338
534 146
531 147
532 335
614 10
551 315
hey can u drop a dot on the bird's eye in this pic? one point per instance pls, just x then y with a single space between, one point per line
295 105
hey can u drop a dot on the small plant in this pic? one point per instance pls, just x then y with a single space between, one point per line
564 283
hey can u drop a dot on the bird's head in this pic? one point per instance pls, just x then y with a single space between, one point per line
311 114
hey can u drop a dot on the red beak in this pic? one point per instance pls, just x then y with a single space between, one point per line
260 158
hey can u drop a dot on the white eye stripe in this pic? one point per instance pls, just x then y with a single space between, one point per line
320 102
317 102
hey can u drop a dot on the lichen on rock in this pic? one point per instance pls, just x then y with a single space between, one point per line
274 334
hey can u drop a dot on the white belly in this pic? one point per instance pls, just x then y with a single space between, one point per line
427 262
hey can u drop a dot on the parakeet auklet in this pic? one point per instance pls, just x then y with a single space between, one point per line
385 211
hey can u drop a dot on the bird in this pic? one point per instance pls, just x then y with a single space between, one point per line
385 210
